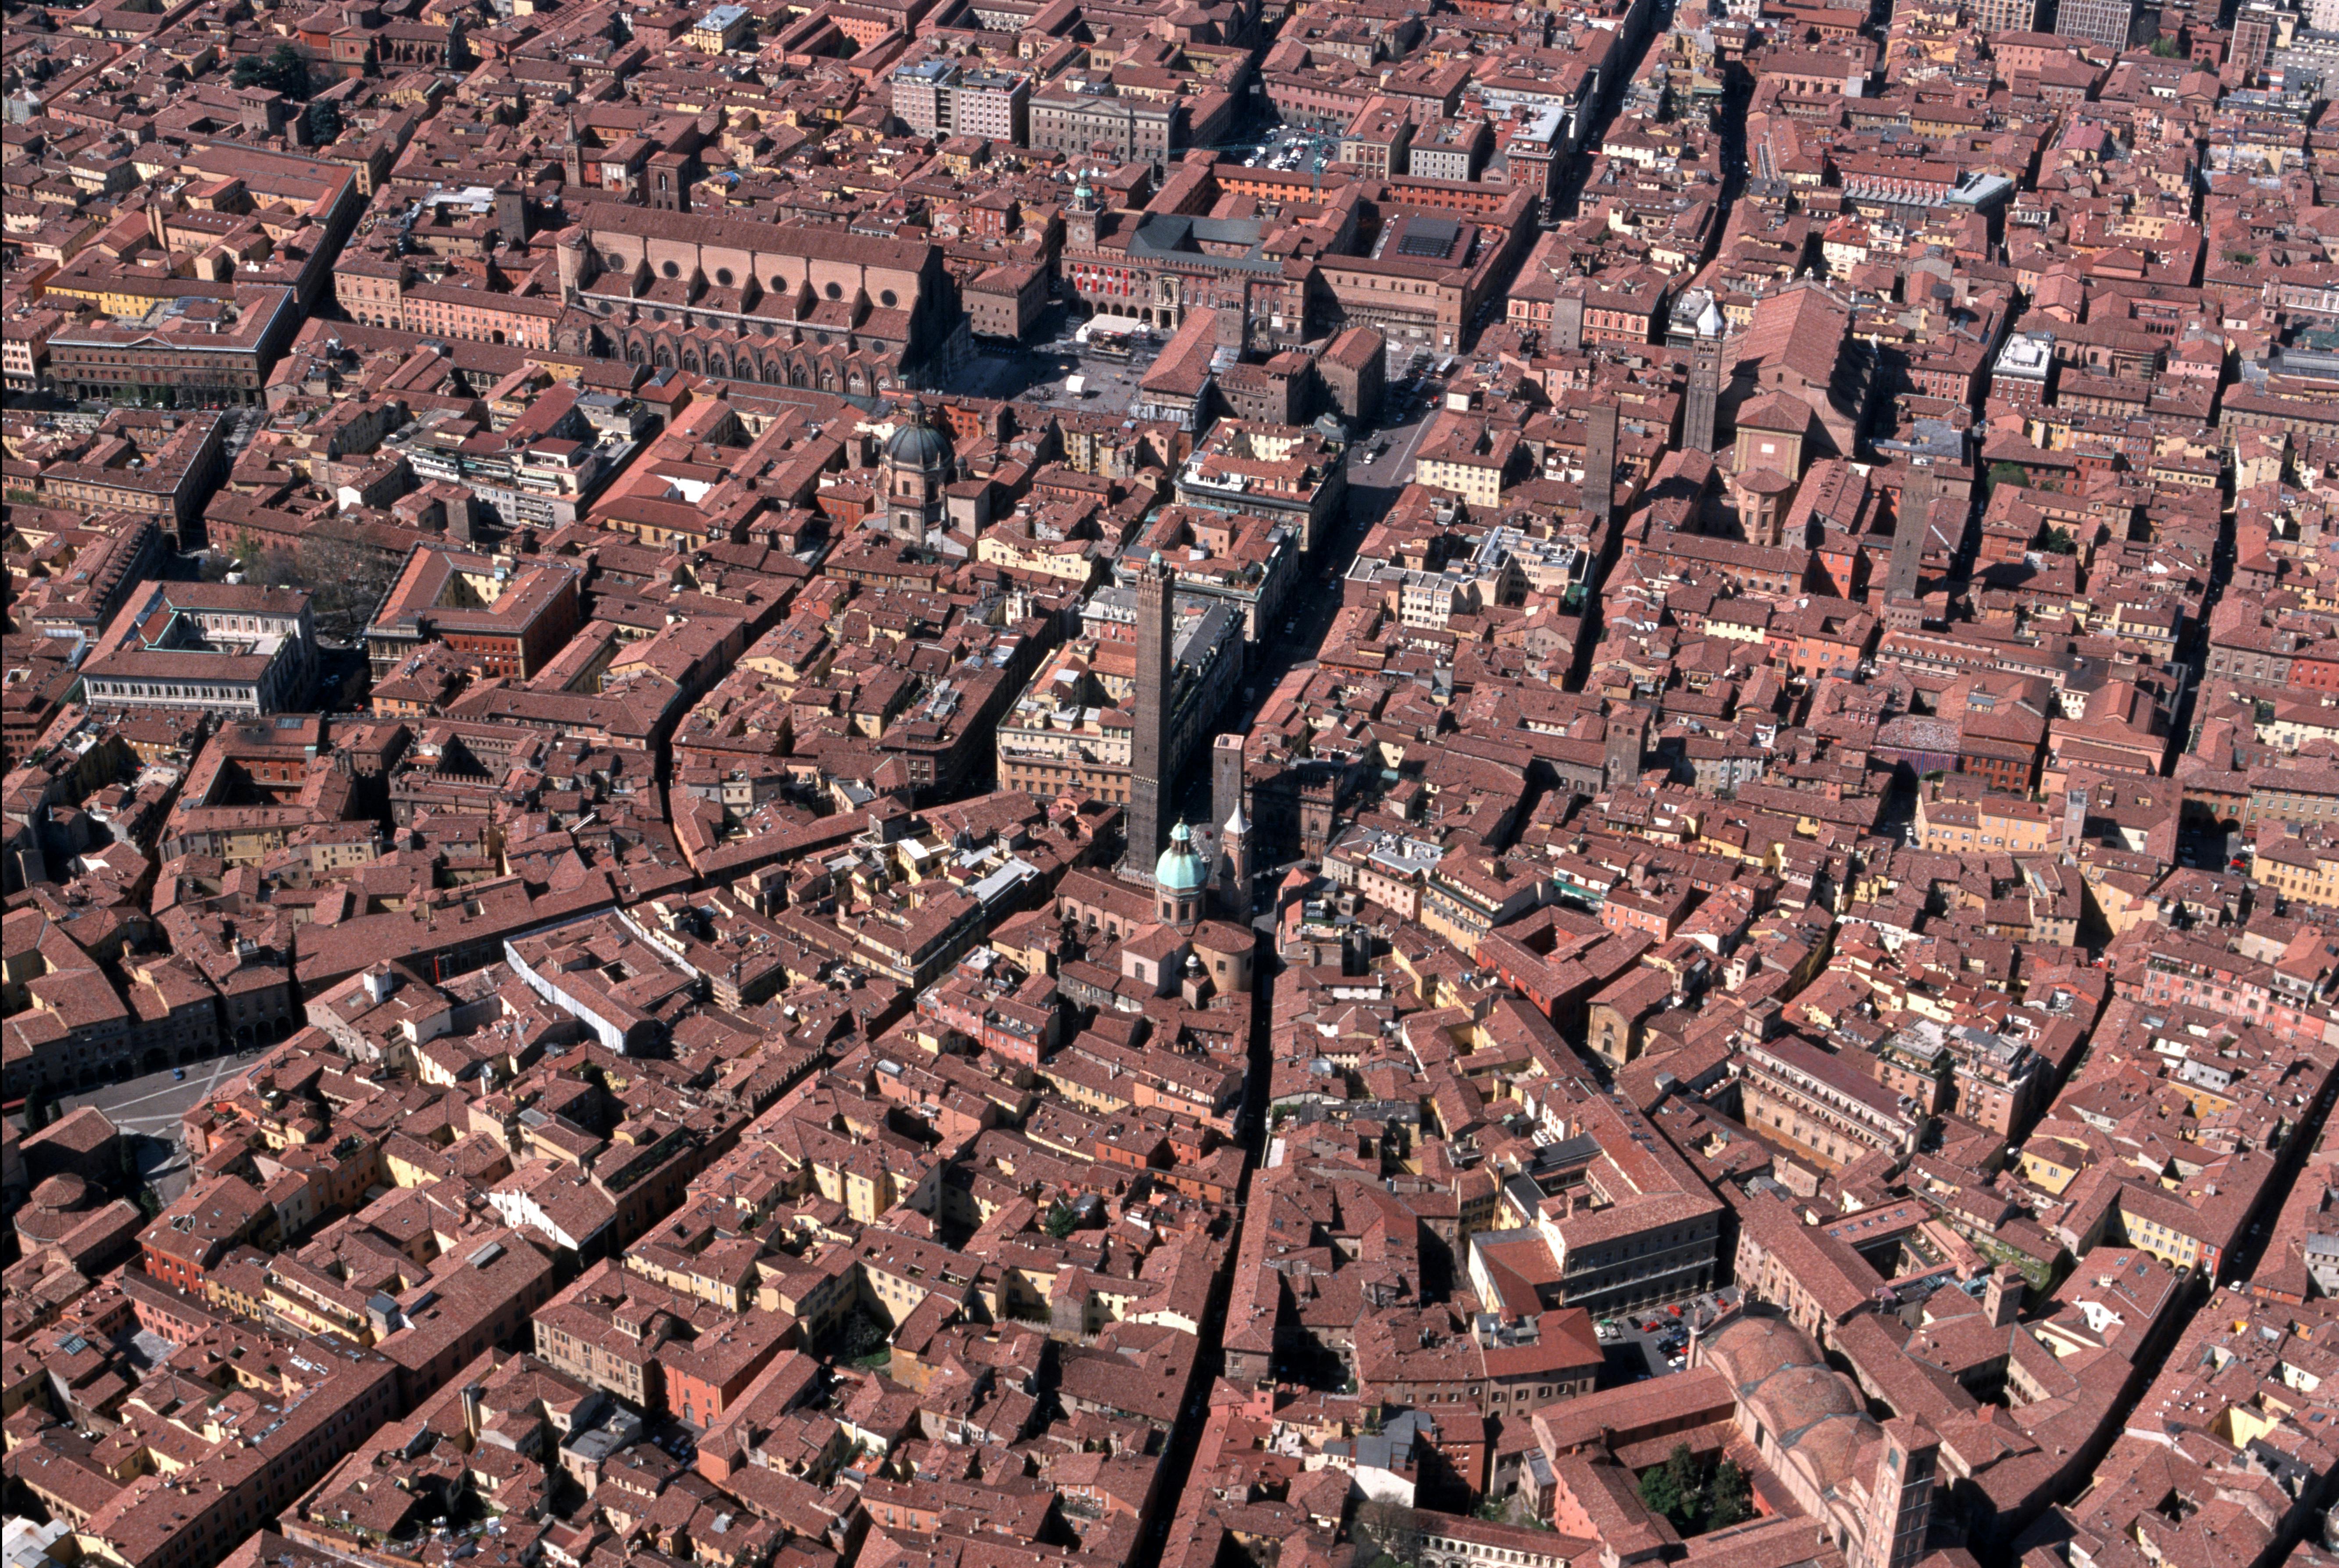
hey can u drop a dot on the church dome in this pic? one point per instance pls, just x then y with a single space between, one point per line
63 1193
1751 1347
917 443
1180 870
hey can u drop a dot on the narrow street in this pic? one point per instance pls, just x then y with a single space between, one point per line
1315 602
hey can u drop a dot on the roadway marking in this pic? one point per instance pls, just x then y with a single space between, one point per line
176 1088
220 1066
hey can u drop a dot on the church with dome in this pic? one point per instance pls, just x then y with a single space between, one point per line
913 476
1182 880
1833 1484
1164 937
1868 1484
1172 917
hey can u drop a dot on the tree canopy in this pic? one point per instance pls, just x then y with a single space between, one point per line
1692 1498
284 70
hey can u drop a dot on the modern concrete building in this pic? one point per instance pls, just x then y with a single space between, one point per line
2107 22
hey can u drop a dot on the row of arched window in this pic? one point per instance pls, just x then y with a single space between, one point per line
848 376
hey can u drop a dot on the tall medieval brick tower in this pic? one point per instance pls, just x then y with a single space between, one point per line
1902 609
1600 462
1149 757
1699 414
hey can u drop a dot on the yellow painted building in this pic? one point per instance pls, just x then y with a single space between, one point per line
2000 822
2300 869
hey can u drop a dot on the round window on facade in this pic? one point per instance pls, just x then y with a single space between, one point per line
888 298
836 290
671 271
723 277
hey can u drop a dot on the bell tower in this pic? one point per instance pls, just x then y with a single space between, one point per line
1698 414
1234 827
1080 217
1234 866
1900 1497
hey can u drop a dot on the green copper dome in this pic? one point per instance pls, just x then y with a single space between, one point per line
1180 869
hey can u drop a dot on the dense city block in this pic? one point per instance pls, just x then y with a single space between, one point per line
1169 784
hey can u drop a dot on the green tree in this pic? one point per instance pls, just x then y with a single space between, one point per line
1674 1489
2166 47
1659 1495
2008 474
2059 542
1061 1221
284 70
288 73
1729 1498
1687 1474
325 123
